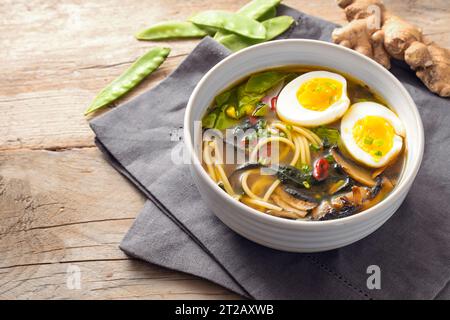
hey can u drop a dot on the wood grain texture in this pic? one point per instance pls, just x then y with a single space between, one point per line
70 208
61 204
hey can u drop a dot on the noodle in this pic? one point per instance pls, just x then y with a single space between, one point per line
209 161
311 136
302 149
245 185
283 128
306 150
254 155
293 162
271 189
296 151
261 203
221 171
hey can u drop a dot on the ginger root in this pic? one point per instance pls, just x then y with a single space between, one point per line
381 35
359 36
432 65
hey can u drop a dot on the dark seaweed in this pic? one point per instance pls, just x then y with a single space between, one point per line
292 176
304 194
240 132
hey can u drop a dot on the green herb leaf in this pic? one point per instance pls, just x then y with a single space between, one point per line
378 142
293 176
247 100
330 136
368 140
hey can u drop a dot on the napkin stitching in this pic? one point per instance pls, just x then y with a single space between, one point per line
341 279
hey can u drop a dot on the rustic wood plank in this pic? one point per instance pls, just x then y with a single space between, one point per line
62 206
57 54
71 208
121 279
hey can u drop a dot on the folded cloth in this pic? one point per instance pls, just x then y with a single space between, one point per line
176 230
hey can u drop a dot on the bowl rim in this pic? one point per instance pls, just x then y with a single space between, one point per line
265 218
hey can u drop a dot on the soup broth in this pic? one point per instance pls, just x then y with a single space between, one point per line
303 143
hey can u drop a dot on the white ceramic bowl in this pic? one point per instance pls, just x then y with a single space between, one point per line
292 235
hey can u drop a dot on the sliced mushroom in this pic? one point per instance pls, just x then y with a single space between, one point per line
321 211
360 198
357 173
379 192
286 206
296 203
345 211
339 185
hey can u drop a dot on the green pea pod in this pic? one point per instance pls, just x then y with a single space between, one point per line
233 22
274 27
171 30
271 13
261 82
257 9
261 110
141 68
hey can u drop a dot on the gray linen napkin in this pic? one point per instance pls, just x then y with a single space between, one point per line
176 230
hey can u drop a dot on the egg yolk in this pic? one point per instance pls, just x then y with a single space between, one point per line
319 93
374 135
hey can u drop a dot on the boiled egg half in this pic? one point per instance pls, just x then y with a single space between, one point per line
372 133
314 98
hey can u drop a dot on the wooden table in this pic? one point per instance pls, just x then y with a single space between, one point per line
62 207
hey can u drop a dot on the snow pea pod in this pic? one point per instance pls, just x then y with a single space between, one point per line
257 9
141 68
233 22
274 27
271 13
171 30
261 82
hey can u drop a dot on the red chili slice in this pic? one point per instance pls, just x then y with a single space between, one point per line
253 120
321 167
273 103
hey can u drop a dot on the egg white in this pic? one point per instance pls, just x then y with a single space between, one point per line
360 110
290 110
